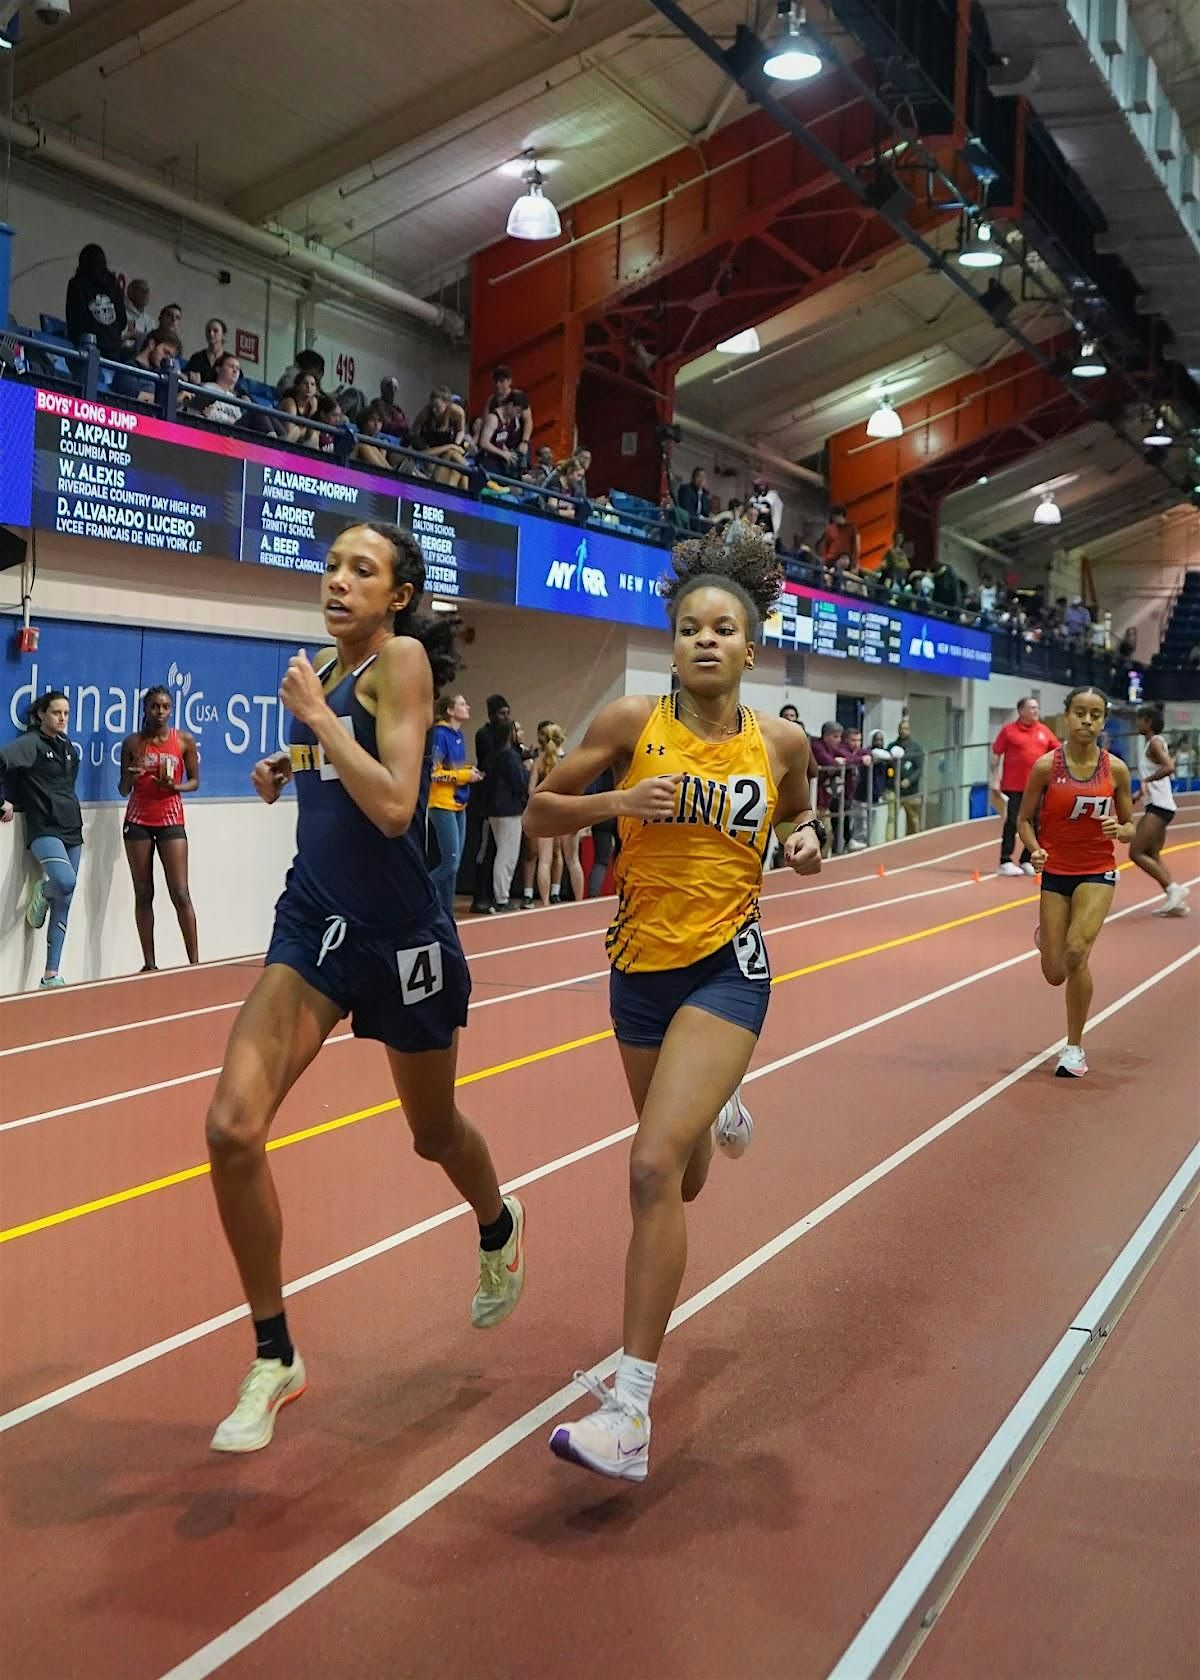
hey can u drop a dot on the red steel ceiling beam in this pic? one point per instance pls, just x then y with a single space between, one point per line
655 271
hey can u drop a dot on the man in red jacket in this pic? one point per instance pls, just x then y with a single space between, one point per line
1017 748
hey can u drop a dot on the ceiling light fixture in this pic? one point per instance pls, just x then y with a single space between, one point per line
741 344
794 57
533 216
1047 512
885 422
981 249
1089 363
1158 434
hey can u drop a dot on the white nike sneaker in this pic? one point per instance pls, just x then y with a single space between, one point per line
1027 869
501 1274
614 1441
1174 902
268 1385
1072 1064
1009 869
734 1127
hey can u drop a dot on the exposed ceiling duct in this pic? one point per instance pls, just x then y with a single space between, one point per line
1091 82
285 248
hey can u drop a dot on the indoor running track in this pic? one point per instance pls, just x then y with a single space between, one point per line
869 1293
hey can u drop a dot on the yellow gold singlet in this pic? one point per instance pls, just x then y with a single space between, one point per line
688 886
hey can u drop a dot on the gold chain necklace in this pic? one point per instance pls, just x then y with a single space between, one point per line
725 728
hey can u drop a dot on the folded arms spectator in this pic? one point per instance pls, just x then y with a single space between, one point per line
695 500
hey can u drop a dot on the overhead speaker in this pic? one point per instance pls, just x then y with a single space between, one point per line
888 195
12 549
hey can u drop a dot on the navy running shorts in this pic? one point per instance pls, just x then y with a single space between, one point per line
1065 885
733 983
409 990
1161 812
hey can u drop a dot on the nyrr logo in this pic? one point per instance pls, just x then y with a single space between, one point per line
577 575
920 647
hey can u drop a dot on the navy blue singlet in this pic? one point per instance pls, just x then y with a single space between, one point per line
343 863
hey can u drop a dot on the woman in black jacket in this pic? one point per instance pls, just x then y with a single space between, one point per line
507 789
42 767
96 304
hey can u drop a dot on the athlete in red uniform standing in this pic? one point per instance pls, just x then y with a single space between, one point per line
1086 806
159 764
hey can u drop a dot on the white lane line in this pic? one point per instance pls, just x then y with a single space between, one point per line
276 1609
591 933
158 1350
481 1003
919 1591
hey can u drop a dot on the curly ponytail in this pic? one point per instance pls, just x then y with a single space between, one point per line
745 566
437 635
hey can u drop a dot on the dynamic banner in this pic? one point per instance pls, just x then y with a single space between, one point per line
225 691
88 469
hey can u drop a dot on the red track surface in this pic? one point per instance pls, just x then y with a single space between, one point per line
811 1417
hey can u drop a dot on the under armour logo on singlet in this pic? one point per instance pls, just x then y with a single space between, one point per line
650 748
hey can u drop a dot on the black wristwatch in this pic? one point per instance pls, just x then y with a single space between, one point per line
818 828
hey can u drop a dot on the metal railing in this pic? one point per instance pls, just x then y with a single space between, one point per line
30 357
866 804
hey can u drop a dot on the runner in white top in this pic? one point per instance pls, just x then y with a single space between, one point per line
1155 768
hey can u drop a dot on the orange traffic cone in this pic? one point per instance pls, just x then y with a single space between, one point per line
975 875
880 871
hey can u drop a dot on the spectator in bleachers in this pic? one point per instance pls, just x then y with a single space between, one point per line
895 567
395 421
1077 620
989 597
202 367
501 445
569 478
947 587
96 304
156 355
583 458
301 401
695 500
170 319
848 577
502 384
767 505
440 430
226 381
542 470
371 423
139 323
840 537
329 410
307 362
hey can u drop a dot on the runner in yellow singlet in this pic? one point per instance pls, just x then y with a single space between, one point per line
700 781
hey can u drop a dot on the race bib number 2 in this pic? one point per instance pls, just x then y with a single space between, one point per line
751 953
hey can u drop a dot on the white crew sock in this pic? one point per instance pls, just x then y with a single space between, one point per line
635 1382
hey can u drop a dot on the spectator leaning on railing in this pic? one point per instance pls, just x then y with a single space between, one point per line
440 430
301 401
501 439
153 359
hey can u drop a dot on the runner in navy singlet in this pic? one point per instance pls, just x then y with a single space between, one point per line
359 931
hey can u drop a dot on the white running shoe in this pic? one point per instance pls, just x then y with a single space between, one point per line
614 1441
501 1274
734 1127
1027 869
1072 1063
1009 869
268 1385
1174 902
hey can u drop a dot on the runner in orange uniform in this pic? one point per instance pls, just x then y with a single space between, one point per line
1086 807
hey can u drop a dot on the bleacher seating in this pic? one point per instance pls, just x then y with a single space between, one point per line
1173 674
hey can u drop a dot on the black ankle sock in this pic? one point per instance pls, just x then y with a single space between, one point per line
273 1341
492 1237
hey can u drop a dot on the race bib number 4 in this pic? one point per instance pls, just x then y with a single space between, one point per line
420 973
